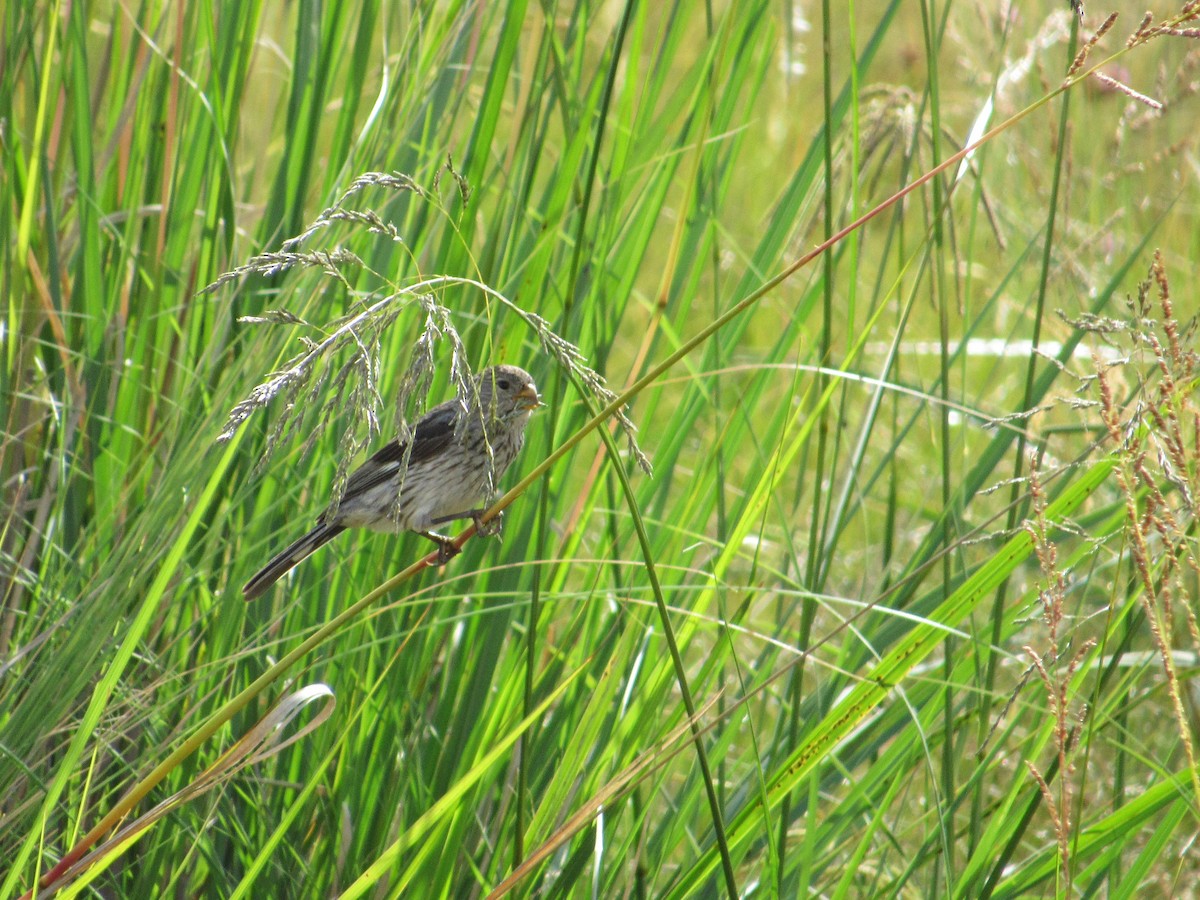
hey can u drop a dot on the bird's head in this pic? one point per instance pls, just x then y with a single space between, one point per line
508 390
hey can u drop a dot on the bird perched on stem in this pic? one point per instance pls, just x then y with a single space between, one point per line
445 471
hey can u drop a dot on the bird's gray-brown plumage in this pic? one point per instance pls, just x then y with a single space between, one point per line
444 472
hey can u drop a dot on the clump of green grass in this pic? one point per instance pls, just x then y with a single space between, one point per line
794 660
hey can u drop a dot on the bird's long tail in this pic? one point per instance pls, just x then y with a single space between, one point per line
286 560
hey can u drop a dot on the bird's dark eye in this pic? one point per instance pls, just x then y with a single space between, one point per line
504 384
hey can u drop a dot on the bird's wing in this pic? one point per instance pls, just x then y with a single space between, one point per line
432 434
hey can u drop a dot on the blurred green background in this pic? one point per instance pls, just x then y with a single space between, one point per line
909 678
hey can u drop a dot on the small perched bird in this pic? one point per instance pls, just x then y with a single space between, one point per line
450 471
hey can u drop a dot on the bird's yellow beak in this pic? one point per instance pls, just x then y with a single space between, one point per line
528 397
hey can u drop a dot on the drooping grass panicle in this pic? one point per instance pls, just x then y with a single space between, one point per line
353 385
1122 88
1055 667
570 358
368 218
1157 445
270 264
